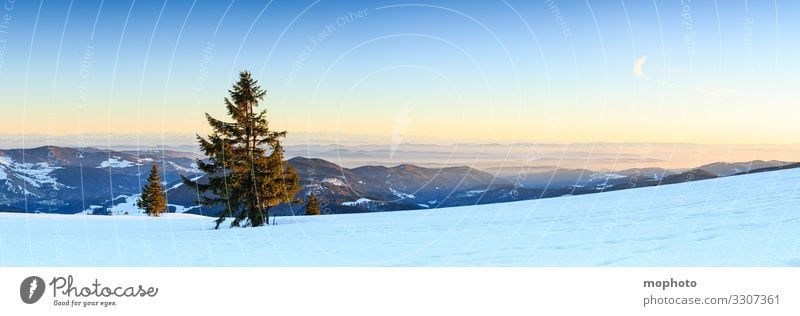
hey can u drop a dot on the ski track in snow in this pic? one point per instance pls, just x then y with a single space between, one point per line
749 220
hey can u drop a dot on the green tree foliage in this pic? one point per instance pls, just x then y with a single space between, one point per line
312 206
152 199
247 174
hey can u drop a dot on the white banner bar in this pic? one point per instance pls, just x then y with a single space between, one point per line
400 291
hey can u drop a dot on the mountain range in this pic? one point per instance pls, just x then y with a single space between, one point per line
95 181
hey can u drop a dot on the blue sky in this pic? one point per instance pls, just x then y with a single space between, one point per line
554 71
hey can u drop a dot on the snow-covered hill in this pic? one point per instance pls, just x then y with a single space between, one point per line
748 220
71 180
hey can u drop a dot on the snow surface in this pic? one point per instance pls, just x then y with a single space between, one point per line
179 184
193 168
357 202
129 207
35 174
474 192
334 181
749 220
606 176
401 195
116 162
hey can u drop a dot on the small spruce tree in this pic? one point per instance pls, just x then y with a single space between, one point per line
152 199
312 206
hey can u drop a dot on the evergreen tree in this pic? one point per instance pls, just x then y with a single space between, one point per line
312 206
243 177
152 199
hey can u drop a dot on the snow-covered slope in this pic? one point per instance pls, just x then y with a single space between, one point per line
749 220
34 175
71 180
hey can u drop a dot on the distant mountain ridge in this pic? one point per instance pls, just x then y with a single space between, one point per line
407 187
724 169
370 188
74 180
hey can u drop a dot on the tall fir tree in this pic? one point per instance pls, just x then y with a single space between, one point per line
152 199
247 174
312 206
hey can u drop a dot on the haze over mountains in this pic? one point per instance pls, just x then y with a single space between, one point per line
94 181
508 158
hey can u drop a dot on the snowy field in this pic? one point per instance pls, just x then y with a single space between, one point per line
751 220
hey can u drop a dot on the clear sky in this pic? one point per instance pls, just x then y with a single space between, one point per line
496 71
